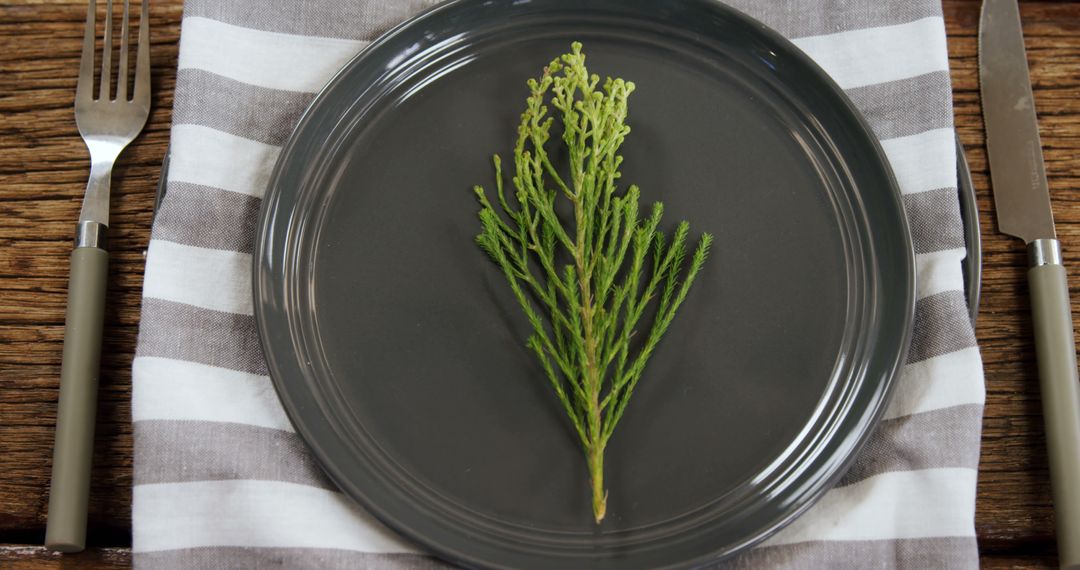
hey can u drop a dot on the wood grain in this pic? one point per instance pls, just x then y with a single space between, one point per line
22 557
43 169
1014 512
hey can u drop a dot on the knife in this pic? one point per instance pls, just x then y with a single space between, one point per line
1022 201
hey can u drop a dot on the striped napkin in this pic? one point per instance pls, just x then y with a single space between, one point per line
222 480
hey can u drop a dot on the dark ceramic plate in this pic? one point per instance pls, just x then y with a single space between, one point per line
398 351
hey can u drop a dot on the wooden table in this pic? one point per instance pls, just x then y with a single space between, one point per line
43 170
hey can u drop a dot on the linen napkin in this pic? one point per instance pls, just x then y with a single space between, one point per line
222 480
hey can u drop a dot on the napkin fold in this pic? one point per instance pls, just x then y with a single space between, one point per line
223 481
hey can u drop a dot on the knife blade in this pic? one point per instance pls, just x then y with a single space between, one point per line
1022 202
1021 194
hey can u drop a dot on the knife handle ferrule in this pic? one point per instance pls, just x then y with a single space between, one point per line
1044 252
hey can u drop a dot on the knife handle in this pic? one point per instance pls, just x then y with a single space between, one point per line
77 410
1056 353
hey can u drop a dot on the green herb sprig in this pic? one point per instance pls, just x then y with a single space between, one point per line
589 275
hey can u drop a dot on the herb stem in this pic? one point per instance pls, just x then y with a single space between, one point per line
596 475
595 302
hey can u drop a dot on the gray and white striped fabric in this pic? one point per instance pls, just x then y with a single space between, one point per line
222 480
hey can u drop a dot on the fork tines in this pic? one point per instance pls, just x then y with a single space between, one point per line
141 91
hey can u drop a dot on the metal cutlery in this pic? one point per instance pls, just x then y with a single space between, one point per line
1022 200
107 125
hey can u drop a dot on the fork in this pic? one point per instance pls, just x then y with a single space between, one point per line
107 126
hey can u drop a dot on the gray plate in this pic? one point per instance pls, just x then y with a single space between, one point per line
398 352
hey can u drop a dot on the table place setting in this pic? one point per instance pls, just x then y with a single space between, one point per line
199 380
333 369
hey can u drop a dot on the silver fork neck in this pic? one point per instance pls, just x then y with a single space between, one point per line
95 206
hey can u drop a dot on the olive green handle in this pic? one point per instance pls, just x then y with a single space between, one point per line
1056 352
74 446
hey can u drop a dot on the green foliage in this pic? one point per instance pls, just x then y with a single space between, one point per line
585 284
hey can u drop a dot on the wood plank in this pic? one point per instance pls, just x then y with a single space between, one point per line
43 170
1018 561
20 557
1013 504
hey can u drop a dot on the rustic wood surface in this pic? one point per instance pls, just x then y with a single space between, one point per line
43 169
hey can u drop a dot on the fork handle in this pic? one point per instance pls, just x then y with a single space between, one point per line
74 445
